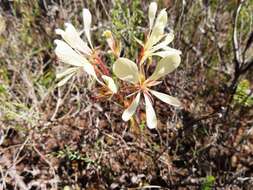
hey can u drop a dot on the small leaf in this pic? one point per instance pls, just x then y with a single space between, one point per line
208 183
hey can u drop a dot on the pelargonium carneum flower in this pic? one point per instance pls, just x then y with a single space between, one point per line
77 62
78 54
72 37
82 55
157 40
128 71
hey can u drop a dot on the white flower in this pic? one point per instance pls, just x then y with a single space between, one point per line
72 37
76 53
128 71
157 40
67 55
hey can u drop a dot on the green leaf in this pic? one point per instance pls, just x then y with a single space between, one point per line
243 95
208 183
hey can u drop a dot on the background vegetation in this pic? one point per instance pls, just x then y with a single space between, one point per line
63 138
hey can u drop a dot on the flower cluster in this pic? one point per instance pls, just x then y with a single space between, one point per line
81 55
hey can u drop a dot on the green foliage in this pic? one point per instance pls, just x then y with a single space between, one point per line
16 111
142 125
245 19
30 14
12 109
72 155
47 79
127 19
4 75
213 4
2 89
208 183
243 95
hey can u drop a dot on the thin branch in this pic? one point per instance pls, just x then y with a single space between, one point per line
236 48
247 66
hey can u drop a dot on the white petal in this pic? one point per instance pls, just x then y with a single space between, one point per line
88 68
156 36
150 113
167 48
165 66
167 52
168 39
126 70
138 41
67 55
87 23
151 13
158 30
59 31
162 18
166 98
64 80
66 72
71 36
110 83
128 113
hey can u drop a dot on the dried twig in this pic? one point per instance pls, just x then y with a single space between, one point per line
236 48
